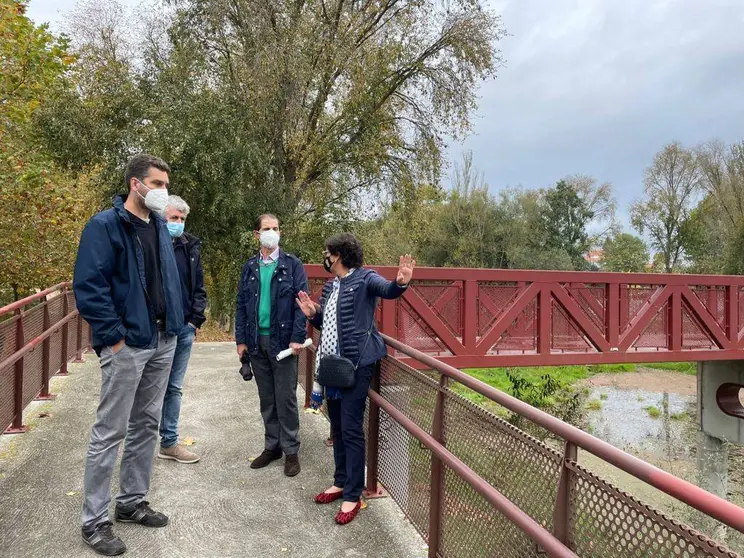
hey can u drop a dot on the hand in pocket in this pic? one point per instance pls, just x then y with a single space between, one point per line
118 347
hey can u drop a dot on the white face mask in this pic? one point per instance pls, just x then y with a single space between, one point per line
156 199
269 239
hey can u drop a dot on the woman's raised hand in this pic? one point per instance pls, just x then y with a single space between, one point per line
405 270
306 304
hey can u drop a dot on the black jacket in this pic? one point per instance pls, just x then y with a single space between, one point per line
195 301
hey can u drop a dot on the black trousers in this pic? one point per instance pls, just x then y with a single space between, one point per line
347 418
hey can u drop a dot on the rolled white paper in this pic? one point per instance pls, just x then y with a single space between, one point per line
288 352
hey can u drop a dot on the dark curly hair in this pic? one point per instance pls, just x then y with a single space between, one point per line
348 248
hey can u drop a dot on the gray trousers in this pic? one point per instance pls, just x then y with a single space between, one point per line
277 392
133 383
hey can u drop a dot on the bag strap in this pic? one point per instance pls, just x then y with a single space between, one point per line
369 335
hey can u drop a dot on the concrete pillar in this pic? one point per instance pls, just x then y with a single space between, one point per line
719 412
712 376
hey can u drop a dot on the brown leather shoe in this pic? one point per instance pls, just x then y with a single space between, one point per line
265 458
291 465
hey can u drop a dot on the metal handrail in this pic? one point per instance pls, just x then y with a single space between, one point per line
523 521
31 345
692 495
18 304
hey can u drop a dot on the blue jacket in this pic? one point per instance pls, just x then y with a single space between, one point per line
288 323
110 285
357 302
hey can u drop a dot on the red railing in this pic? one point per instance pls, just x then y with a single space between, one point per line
474 485
48 320
483 317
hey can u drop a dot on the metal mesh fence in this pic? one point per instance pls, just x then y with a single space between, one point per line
603 521
608 522
472 527
33 326
32 319
8 330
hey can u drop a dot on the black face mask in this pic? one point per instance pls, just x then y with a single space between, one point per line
328 264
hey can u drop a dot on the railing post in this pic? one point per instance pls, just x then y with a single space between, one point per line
373 490
436 499
44 394
89 349
732 314
17 426
65 335
470 314
79 344
562 512
544 317
612 314
388 322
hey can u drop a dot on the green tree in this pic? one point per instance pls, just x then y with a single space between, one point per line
670 184
306 110
565 217
468 230
42 209
706 238
625 253
711 235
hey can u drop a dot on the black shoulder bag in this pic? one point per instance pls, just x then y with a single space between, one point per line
339 372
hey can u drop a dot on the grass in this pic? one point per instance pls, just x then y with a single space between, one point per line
679 416
689 368
603 396
496 377
653 412
594 405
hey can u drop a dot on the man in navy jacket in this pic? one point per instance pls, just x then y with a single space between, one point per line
268 321
127 288
188 259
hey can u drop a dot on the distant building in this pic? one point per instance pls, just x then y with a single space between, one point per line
594 256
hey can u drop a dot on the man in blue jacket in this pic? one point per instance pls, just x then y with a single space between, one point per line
268 321
127 288
188 259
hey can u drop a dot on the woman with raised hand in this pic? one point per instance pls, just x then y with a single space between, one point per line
346 317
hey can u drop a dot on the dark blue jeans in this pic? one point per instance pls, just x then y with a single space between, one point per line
347 418
172 400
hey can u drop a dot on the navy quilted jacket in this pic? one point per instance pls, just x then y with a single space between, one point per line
357 301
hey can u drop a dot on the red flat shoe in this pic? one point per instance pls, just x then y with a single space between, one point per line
326 498
342 518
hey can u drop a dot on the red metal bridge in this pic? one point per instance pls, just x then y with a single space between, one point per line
471 482
482 318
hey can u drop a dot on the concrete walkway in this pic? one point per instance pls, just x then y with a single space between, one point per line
218 507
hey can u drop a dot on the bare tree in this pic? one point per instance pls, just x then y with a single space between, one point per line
670 185
599 199
722 170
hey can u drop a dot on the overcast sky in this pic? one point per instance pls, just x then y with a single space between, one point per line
596 87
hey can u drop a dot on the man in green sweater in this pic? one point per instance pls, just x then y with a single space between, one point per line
268 321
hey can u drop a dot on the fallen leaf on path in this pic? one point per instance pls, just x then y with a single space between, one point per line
73 493
251 458
189 441
45 415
